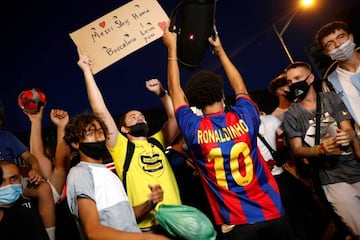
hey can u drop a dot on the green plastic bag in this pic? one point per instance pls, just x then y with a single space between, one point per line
185 222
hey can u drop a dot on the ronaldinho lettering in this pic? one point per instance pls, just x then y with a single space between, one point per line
223 134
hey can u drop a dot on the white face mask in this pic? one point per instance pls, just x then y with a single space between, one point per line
344 52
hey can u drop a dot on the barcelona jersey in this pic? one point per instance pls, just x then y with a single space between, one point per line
238 184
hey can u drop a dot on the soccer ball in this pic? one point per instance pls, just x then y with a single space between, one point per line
30 101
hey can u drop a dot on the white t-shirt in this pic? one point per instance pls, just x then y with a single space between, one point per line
97 182
269 125
352 93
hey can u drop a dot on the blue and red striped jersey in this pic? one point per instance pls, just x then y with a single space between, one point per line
239 186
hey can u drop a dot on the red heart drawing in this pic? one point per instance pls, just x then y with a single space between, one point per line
102 24
162 25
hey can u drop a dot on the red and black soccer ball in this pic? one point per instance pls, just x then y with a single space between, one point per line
31 100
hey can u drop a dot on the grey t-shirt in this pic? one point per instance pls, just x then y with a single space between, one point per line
96 182
299 122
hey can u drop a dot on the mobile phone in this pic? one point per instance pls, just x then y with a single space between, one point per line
332 130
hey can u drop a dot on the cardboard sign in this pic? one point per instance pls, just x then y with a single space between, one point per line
120 32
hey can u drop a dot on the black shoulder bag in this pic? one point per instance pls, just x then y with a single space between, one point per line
278 157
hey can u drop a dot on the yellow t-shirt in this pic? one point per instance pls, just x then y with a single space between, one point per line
148 165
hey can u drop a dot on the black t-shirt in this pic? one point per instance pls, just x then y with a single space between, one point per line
19 223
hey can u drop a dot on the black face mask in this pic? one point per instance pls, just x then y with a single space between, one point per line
94 150
139 130
298 91
289 96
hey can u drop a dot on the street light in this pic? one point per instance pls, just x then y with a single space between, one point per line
304 3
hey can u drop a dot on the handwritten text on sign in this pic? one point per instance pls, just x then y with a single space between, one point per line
120 32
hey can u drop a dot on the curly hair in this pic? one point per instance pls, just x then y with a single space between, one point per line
204 88
75 129
328 29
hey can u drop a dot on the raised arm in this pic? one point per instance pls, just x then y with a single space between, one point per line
96 99
37 145
176 92
62 154
235 78
170 128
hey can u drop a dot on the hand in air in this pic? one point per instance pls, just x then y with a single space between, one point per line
59 117
154 85
84 61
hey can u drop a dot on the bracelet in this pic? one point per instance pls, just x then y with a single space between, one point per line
162 93
172 58
314 150
241 93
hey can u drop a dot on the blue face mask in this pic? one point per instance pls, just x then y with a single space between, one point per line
10 193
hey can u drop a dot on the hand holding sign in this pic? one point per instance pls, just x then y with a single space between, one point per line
120 32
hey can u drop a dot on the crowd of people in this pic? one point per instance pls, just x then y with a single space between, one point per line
289 174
